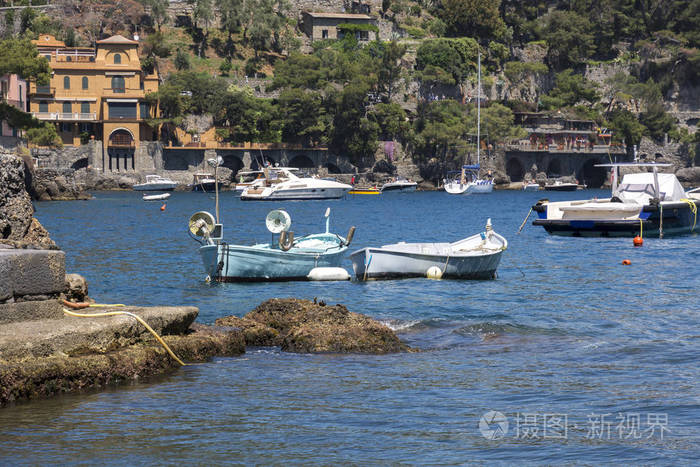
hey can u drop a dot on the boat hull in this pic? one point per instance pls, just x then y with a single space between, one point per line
290 195
678 219
480 187
204 187
398 188
236 263
155 187
562 187
380 263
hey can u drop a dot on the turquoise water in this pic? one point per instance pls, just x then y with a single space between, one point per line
589 361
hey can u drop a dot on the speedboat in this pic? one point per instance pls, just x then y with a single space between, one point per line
400 184
203 182
558 185
284 259
475 257
649 203
282 184
532 186
467 182
155 183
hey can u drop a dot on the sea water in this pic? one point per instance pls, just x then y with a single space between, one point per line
567 357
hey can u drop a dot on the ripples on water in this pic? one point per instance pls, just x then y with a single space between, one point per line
565 329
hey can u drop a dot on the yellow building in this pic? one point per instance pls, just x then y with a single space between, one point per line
96 92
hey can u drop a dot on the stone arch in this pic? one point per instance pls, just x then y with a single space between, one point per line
302 161
122 129
515 170
81 163
120 150
332 168
232 162
554 168
592 176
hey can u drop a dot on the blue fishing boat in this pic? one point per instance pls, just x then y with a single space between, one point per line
285 259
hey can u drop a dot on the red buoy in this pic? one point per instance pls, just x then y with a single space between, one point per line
626 262
162 208
638 241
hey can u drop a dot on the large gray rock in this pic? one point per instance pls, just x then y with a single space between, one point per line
16 208
689 175
31 272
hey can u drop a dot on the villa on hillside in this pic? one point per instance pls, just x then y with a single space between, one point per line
319 26
13 91
96 93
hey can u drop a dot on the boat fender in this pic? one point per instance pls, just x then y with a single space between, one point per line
433 272
286 240
328 274
351 233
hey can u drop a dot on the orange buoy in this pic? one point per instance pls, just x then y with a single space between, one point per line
626 262
638 241
162 208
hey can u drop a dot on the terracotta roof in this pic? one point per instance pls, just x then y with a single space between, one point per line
337 15
118 39
47 40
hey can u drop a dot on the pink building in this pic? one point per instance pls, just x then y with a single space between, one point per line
13 91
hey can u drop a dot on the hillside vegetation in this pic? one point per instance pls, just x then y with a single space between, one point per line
349 95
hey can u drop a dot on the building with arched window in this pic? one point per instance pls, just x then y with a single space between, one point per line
96 92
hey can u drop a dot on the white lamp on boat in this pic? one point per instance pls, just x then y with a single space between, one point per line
278 221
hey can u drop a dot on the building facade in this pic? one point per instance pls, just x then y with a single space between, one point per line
96 93
319 26
13 91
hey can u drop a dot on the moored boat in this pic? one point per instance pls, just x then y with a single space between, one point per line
203 182
289 258
282 184
475 257
650 204
532 186
558 185
399 185
357 190
159 197
155 183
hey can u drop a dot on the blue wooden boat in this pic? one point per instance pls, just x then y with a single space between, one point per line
288 258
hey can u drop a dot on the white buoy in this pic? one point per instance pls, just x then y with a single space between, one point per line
434 272
328 274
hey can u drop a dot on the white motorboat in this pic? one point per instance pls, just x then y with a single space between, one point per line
558 185
532 186
282 184
155 183
160 197
203 182
400 185
475 257
652 204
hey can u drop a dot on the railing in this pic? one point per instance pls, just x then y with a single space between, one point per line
65 116
45 90
120 143
125 90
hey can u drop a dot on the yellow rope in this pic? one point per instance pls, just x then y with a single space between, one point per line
101 305
694 210
138 318
641 228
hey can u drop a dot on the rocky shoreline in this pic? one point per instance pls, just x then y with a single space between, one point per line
46 349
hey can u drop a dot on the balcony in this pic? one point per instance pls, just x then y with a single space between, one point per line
65 116
41 90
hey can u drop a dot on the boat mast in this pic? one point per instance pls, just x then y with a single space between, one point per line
478 108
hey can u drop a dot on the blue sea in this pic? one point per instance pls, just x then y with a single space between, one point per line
568 357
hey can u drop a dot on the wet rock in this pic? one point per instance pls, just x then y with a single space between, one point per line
76 288
384 166
689 175
306 327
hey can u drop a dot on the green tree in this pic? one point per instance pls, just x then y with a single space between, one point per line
455 57
44 135
497 123
392 121
158 11
303 117
626 127
182 60
441 129
473 18
390 69
570 89
21 57
568 38
353 133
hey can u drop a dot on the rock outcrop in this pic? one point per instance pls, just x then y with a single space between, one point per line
16 208
304 326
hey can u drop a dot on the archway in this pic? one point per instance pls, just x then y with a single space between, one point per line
554 168
592 176
302 162
515 170
233 163
332 168
120 150
80 164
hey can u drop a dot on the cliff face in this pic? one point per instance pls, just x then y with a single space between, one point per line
17 224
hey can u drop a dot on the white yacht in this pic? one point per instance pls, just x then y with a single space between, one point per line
282 184
155 183
400 184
